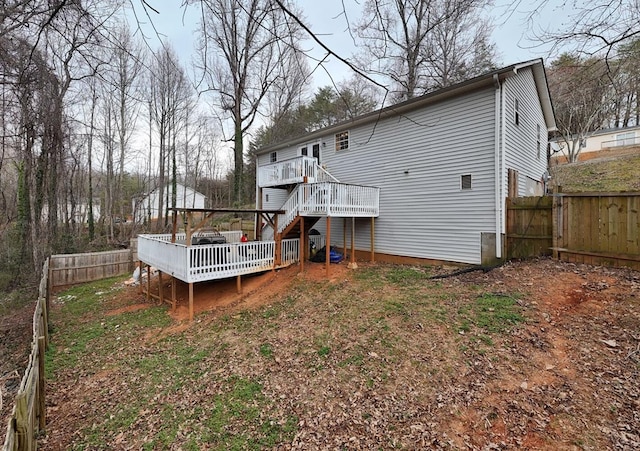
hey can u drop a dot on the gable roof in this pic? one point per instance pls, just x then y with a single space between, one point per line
473 84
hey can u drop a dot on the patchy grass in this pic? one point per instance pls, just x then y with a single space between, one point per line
621 173
382 358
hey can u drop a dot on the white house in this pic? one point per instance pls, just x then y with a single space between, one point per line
605 139
443 162
146 206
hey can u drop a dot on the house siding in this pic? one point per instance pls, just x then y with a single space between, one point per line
520 146
423 213
273 198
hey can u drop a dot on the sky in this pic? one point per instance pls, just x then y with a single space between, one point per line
328 20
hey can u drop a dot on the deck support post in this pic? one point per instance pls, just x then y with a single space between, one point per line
174 301
140 269
353 243
239 284
344 237
160 288
373 234
303 244
190 301
148 283
327 258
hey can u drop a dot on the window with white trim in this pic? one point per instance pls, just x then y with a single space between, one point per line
304 151
516 112
273 157
342 140
625 139
465 182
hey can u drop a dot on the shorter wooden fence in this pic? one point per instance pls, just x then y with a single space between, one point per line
28 415
529 226
68 269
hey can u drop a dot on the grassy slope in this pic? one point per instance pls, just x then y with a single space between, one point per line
374 351
621 173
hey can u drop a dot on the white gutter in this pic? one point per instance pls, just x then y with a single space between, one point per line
504 172
497 160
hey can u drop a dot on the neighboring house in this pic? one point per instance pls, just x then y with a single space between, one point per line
609 139
146 207
75 213
443 162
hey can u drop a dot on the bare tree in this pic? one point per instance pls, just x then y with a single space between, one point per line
582 92
402 41
169 96
243 44
593 27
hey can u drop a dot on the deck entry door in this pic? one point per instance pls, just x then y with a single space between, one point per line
316 151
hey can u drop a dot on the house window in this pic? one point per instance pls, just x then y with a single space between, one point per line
516 112
538 142
625 139
273 157
342 140
465 181
303 151
266 198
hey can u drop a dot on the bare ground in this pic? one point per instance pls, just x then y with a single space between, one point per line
566 378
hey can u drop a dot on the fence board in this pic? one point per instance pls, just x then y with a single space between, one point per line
599 229
28 415
69 269
529 226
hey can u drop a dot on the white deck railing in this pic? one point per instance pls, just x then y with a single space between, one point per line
338 199
213 261
287 172
292 171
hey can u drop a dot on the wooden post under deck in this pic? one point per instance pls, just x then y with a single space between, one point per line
148 283
160 290
174 301
327 258
353 244
344 237
239 284
373 234
140 268
190 301
303 245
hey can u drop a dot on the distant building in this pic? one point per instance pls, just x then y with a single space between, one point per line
607 139
146 207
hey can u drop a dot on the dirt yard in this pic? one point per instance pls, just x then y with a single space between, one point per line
567 377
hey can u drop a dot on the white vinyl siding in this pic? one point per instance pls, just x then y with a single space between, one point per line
424 213
273 198
522 141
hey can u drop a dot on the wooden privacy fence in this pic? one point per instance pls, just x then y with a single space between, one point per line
68 269
28 415
594 228
529 226
597 228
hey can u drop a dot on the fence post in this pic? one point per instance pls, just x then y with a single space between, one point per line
557 221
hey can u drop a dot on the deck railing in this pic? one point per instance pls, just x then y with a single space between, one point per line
338 199
213 261
287 172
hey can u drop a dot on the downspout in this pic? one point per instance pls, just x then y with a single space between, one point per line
497 161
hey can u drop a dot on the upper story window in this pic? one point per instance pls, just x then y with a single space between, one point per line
304 151
342 140
516 112
273 157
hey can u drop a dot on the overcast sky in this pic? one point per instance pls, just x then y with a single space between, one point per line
328 20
